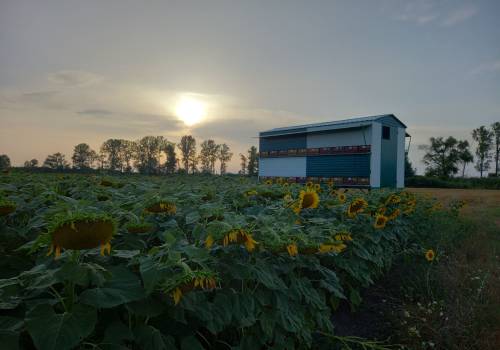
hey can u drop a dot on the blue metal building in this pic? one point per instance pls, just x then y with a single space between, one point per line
365 152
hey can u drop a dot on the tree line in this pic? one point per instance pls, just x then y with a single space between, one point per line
445 157
149 155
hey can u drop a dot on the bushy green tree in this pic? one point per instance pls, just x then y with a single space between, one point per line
56 161
441 157
31 163
4 162
224 154
464 155
187 146
83 156
171 162
253 161
484 139
495 127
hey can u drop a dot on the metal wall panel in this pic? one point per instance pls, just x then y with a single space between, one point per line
285 167
282 142
352 165
348 137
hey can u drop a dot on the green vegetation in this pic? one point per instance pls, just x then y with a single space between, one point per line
434 182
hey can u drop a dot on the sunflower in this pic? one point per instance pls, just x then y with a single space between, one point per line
209 241
162 206
251 193
380 221
357 206
269 182
328 248
430 255
381 210
194 280
317 187
292 249
393 199
6 207
343 237
308 199
81 231
239 236
394 214
341 197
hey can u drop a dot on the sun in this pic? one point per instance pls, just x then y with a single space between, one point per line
190 110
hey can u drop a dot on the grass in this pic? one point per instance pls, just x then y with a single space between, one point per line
453 302
450 303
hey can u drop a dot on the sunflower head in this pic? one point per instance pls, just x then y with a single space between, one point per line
357 206
341 197
331 248
188 281
81 231
6 207
308 199
292 249
380 221
162 206
430 255
268 182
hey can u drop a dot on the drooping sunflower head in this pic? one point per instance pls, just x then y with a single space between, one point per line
357 206
308 199
187 281
332 248
6 207
161 206
292 249
81 231
430 255
240 236
380 221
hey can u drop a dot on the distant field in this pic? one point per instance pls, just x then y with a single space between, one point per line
477 200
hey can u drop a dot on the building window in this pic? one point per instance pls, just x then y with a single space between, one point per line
386 132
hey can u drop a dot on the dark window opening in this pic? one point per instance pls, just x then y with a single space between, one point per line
386 132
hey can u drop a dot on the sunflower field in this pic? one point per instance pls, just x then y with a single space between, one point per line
192 262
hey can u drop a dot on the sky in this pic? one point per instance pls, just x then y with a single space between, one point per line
87 71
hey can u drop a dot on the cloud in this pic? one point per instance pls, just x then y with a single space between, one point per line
459 15
429 11
74 78
491 67
98 112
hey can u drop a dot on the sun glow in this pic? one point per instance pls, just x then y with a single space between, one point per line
190 110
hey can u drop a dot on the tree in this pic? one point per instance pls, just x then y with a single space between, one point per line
441 157
112 148
253 161
243 164
171 162
464 155
127 150
4 162
147 154
224 156
82 156
495 127
208 156
187 146
409 171
31 163
484 139
56 161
